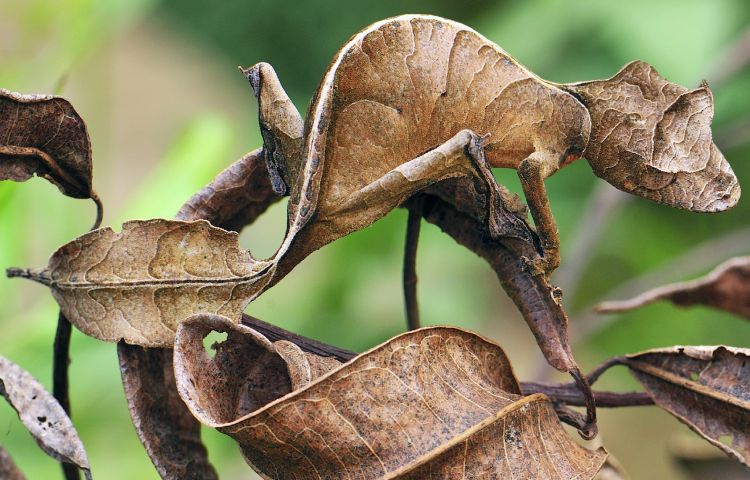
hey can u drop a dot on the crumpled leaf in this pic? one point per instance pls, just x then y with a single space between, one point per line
437 401
707 388
8 469
727 287
42 416
652 138
43 135
137 285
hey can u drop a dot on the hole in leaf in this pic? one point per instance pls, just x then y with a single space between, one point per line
693 376
725 440
41 419
212 340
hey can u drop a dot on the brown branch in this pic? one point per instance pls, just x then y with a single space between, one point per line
410 265
60 362
567 393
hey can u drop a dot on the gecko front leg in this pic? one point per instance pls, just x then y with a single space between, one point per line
531 172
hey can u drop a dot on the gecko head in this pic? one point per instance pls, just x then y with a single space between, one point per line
652 138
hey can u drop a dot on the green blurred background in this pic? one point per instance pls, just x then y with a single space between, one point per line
157 83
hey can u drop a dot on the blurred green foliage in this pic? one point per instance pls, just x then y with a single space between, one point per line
349 293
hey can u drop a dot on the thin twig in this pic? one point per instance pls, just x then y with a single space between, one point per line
597 371
567 393
60 362
410 265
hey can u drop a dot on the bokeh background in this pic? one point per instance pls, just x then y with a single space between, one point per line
157 83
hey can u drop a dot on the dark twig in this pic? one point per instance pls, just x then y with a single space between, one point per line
60 362
274 333
410 265
567 393
597 371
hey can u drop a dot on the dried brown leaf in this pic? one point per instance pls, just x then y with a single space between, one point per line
43 135
707 388
437 401
169 432
137 285
727 287
8 469
42 416
652 138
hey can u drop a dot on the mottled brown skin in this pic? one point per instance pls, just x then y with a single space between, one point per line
414 100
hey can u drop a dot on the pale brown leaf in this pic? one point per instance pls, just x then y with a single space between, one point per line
727 287
42 416
43 135
707 388
437 400
652 138
137 285
8 469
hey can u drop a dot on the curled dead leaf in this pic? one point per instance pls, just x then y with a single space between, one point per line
727 287
42 416
707 388
43 135
437 400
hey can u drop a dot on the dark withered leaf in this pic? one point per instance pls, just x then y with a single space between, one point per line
42 416
438 401
707 388
43 135
727 288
